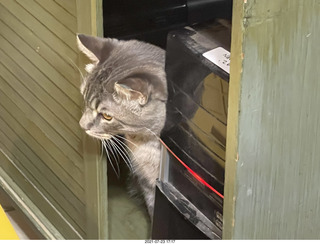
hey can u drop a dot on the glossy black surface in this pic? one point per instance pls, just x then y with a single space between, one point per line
203 10
176 218
151 20
195 129
205 200
197 105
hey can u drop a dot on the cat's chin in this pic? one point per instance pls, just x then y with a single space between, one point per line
98 136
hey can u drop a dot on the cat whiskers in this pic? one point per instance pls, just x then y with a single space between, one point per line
126 147
116 148
106 146
153 133
122 137
121 151
114 152
76 66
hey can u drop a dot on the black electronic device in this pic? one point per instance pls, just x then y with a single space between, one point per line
150 20
191 181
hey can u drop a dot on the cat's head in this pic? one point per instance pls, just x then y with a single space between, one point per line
125 88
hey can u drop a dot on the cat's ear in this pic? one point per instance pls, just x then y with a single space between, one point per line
134 89
97 49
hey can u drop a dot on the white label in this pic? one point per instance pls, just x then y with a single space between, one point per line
220 57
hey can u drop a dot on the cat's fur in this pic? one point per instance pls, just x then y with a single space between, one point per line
126 81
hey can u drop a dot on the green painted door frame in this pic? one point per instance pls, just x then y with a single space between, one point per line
90 22
273 135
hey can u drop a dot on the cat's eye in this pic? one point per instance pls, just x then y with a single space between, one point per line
107 117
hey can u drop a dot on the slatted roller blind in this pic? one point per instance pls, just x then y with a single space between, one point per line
41 143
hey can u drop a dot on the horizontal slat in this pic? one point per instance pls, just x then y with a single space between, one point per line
37 198
49 168
40 63
43 179
64 17
40 130
45 98
41 115
40 108
40 78
49 22
70 6
26 135
40 30
61 63
37 148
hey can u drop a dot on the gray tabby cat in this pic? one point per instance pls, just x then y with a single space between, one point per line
125 92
